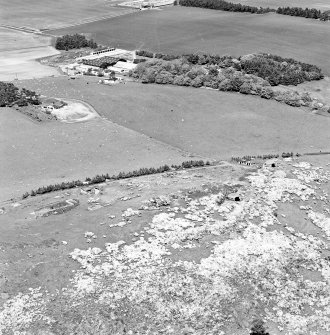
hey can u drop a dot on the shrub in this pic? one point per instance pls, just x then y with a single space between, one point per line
25 195
258 328
75 41
144 53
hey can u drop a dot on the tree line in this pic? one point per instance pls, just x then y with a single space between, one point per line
263 157
10 95
226 6
75 41
122 175
311 13
308 13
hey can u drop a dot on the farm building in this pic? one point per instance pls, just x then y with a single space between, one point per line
114 53
122 67
147 4
54 103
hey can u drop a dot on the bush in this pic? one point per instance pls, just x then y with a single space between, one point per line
75 41
144 53
258 328
139 60
25 195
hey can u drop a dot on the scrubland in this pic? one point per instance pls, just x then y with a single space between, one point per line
206 251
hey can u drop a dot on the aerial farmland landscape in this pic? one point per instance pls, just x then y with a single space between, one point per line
165 167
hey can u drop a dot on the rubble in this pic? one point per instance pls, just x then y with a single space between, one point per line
253 262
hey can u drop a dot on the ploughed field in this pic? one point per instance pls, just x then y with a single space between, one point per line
18 51
213 124
181 29
49 13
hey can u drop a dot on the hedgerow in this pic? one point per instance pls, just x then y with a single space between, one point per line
263 157
122 175
308 13
225 6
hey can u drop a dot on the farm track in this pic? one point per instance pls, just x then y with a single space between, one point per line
22 29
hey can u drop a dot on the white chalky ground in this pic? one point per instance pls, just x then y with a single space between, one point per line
257 267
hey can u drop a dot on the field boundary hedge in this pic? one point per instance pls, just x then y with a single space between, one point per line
308 13
121 175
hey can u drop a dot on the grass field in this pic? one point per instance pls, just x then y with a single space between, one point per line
322 5
178 30
49 13
35 154
209 123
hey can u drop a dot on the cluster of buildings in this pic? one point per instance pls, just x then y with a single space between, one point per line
143 4
109 63
50 104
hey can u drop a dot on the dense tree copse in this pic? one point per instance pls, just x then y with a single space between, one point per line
277 70
226 6
76 41
10 95
122 175
217 71
251 74
309 13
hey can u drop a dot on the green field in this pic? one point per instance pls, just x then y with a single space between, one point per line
178 30
322 5
209 123
38 154
49 13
